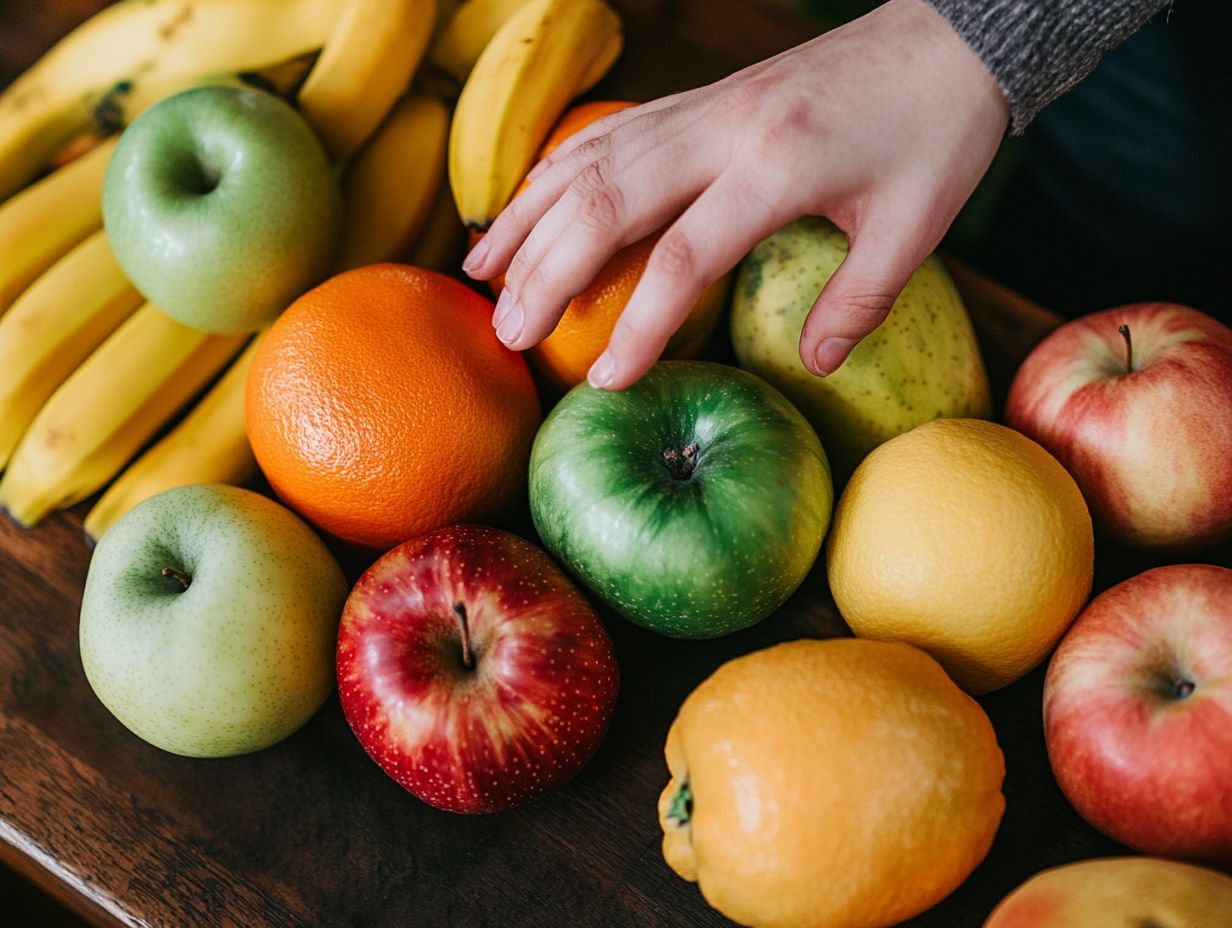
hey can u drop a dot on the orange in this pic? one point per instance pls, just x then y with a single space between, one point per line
967 539
565 356
380 406
829 784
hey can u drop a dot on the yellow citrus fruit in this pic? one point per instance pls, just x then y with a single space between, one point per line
829 784
968 540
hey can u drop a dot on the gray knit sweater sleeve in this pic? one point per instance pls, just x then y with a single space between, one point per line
1038 49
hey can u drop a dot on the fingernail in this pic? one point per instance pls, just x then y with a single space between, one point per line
830 355
501 310
511 326
474 261
536 171
601 372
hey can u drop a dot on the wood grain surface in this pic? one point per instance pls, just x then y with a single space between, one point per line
310 832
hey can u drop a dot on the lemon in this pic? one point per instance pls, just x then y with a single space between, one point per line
967 539
829 784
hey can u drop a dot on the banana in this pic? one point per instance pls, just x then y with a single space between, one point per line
43 222
545 54
126 100
440 244
53 327
366 65
458 44
390 186
209 445
107 409
167 43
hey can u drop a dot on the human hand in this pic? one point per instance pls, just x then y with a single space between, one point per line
884 126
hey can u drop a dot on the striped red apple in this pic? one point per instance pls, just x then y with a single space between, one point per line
1136 402
473 671
1138 712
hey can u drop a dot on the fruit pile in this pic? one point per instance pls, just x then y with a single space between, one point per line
271 235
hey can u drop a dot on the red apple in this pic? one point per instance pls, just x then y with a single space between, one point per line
1136 402
472 671
1138 712
1118 892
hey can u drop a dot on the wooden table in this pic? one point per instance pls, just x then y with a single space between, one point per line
311 833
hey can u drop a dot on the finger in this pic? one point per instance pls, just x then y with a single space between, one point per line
699 96
602 155
880 260
699 248
599 127
589 224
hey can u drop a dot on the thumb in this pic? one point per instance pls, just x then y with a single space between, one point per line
858 297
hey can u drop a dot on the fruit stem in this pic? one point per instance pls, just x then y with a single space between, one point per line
681 809
681 464
185 579
468 656
1129 347
1183 689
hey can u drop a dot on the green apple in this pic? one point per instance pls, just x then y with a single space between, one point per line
693 503
921 363
209 620
221 207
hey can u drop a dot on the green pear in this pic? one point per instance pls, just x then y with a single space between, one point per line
921 363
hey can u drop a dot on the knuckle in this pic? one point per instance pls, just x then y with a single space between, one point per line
601 208
593 176
782 131
675 258
593 152
865 309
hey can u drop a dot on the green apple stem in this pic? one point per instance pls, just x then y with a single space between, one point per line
173 573
681 809
681 463
1129 347
468 656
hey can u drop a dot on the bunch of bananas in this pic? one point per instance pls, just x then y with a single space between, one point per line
90 372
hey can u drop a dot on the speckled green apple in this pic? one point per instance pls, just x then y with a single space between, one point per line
222 207
208 621
693 503
921 363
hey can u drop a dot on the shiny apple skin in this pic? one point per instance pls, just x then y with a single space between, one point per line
1144 764
524 720
1149 448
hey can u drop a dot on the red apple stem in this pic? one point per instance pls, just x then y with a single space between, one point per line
1129 347
172 572
1184 689
468 656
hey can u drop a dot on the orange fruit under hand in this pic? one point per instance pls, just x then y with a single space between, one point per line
565 356
380 406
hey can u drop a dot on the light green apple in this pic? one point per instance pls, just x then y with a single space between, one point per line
921 363
221 207
209 621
